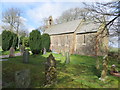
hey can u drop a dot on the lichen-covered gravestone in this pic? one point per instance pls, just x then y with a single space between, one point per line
22 49
50 70
22 78
105 68
26 56
67 58
12 52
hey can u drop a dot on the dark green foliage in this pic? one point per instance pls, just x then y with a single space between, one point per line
7 38
26 41
15 40
0 39
35 41
46 41
21 40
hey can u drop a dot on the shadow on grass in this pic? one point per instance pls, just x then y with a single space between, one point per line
36 66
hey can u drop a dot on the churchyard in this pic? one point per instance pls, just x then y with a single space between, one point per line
33 64
40 49
79 73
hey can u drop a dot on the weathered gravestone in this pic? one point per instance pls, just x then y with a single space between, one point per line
105 68
12 52
50 70
44 51
26 56
22 78
22 49
67 58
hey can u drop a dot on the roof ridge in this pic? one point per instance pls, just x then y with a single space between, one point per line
65 22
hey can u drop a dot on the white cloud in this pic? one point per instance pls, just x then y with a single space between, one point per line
57 0
23 19
30 28
1 29
45 10
48 9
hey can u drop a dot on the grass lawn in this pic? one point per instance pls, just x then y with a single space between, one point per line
8 52
80 73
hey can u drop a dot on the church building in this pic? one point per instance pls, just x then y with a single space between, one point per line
76 37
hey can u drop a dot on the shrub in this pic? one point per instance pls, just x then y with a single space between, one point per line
35 41
46 41
7 40
15 40
26 41
0 39
21 40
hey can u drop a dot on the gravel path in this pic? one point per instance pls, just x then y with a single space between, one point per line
6 56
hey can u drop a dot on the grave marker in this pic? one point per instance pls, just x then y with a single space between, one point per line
105 68
50 70
12 52
22 78
26 56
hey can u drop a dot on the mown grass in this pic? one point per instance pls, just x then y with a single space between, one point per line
8 52
79 73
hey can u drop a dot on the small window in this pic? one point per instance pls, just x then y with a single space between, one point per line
84 42
84 38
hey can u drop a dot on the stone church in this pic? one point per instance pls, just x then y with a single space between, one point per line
76 37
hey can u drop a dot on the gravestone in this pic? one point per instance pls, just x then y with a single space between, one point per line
67 58
113 69
97 64
22 78
44 51
12 52
105 68
22 49
50 70
26 56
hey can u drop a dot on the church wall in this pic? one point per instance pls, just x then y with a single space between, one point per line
87 47
62 43
84 44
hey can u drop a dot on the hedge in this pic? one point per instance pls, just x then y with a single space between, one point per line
15 40
35 41
9 39
46 42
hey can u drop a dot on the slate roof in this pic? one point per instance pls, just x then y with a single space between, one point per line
87 27
72 26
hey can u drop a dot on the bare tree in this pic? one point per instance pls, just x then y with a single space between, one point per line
73 14
108 15
11 19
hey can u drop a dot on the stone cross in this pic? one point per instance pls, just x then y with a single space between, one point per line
22 78
67 57
12 52
22 49
50 70
105 68
26 56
